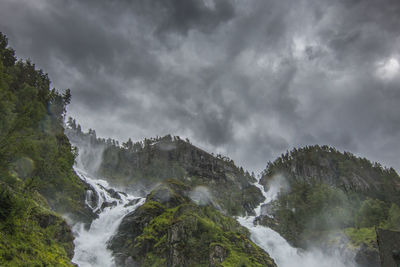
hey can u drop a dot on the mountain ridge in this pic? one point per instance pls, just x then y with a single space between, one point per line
144 164
332 194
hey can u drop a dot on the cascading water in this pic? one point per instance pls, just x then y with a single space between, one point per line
91 245
280 250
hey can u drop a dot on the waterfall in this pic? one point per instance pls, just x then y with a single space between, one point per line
280 250
112 206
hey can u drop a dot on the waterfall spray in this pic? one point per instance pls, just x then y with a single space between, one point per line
279 249
91 245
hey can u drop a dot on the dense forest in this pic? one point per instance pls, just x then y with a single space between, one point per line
36 174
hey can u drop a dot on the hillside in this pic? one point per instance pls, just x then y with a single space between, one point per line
329 195
36 175
171 229
145 164
343 170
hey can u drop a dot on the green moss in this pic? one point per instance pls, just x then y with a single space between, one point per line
27 242
155 231
152 205
199 230
361 236
36 172
152 260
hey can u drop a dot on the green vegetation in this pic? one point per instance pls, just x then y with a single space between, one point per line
312 207
372 212
155 160
176 231
329 193
33 146
361 236
35 164
393 220
32 235
342 170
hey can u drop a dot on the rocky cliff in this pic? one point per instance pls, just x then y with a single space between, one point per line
323 164
389 247
145 164
174 228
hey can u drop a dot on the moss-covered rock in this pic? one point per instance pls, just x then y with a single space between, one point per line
171 230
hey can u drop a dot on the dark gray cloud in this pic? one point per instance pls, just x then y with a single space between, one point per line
249 79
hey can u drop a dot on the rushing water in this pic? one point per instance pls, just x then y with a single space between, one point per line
91 245
111 206
280 250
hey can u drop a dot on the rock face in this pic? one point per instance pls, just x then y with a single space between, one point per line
389 247
323 164
217 255
62 233
170 230
145 164
367 256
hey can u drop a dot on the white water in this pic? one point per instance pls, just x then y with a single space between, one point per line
280 250
91 245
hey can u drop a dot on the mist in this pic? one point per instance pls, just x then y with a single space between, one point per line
280 250
89 151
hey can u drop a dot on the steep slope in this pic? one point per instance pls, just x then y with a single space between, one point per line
36 174
328 197
184 220
173 228
389 247
145 164
323 164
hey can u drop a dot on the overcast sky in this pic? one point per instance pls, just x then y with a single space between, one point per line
249 79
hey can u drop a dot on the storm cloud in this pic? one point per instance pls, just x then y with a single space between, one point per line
249 79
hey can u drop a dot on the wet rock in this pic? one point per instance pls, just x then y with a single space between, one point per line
107 205
45 220
113 193
389 247
367 256
122 193
176 234
62 231
132 225
217 255
132 202
65 236
91 198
